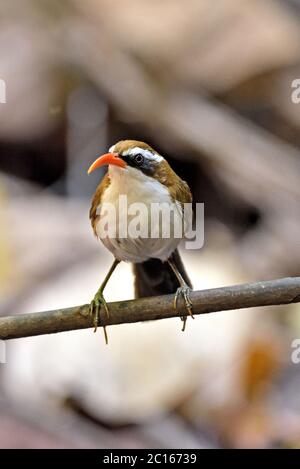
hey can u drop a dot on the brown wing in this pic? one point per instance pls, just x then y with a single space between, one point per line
178 188
180 191
94 217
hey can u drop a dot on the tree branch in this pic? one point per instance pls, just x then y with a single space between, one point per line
273 292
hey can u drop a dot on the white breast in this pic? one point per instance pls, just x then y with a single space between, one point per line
138 188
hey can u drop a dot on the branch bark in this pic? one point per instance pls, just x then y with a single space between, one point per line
273 292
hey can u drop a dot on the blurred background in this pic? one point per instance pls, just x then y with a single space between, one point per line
207 84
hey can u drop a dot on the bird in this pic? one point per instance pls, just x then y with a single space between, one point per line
142 175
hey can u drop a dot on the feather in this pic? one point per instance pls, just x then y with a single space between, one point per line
154 277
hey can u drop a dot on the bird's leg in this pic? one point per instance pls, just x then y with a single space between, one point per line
99 300
184 290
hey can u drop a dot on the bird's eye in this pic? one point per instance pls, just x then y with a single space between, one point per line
139 159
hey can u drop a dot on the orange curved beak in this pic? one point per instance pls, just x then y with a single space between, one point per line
108 158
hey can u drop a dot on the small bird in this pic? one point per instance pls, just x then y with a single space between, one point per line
137 171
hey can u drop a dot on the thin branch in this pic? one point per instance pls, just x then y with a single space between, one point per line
273 292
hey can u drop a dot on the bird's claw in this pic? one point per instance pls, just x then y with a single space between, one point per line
185 293
95 308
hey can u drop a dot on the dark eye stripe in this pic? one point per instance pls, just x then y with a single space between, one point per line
140 162
138 159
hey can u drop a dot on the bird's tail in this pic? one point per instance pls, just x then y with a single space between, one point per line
154 277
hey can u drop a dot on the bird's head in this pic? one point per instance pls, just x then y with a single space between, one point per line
129 156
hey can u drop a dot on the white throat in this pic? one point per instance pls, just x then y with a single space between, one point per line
136 185
139 188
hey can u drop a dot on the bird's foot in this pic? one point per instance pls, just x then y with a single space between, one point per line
185 293
95 308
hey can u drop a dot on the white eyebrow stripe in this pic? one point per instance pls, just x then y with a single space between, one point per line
146 153
111 149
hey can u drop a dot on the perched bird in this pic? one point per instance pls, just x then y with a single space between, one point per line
137 171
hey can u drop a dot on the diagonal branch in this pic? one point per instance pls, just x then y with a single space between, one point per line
273 292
